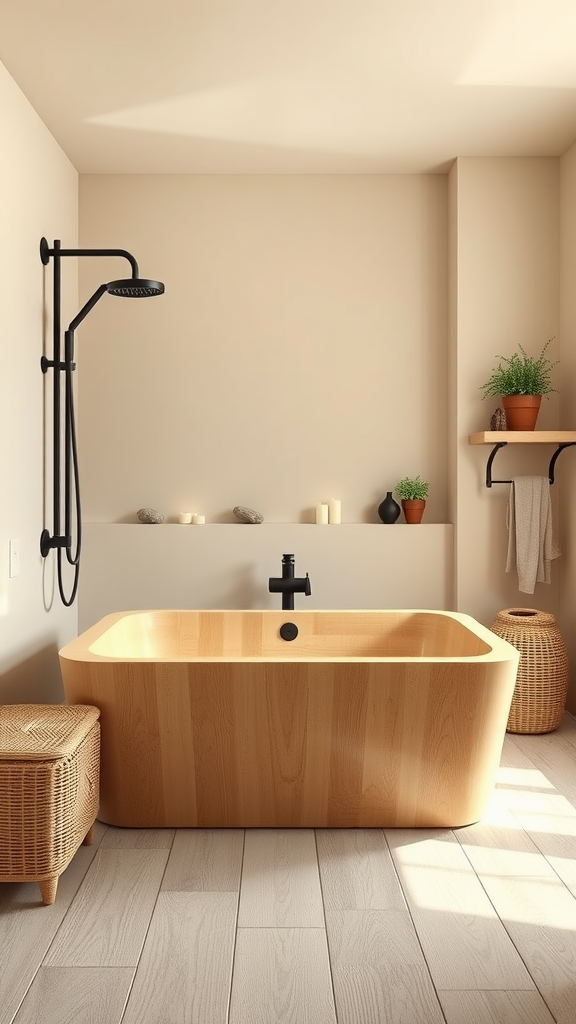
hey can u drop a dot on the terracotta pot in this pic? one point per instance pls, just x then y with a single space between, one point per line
521 411
413 510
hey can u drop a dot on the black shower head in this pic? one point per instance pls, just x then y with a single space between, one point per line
135 288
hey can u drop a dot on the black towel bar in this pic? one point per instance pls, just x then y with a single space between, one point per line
502 444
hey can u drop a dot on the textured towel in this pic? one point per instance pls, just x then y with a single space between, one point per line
531 544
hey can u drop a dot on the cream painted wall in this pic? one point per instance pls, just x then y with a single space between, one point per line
567 619
228 566
299 352
505 267
38 196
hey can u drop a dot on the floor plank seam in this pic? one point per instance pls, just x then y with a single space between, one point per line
95 847
529 837
235 939
326 933
147 930
414 928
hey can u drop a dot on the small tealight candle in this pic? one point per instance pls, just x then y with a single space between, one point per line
335 511
321 514
185 517
198 520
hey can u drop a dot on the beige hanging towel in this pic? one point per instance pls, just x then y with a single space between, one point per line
531 543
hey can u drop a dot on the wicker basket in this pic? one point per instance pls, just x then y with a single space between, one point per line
49 789
542 682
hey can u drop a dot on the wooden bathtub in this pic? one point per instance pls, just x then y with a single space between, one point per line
365 719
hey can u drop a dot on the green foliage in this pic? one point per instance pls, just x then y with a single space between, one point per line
521 374
412 489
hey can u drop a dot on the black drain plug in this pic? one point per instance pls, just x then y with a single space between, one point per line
288 631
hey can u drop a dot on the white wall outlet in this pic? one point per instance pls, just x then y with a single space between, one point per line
14 560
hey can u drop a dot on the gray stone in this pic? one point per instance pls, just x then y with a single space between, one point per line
149 515
247 515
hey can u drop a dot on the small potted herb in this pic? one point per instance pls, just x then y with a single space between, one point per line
520 381
412 492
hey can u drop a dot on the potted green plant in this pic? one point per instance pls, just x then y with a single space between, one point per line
520 381
412 492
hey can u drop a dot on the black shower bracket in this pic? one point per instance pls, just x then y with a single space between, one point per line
47 542
502 444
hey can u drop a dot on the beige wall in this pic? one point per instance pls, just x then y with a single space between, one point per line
298 354
302 351
505 266
228 566
38 196
568 406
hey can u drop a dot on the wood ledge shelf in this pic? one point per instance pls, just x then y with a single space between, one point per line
523 437
500 438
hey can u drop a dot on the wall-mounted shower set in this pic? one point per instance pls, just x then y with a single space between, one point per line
65 446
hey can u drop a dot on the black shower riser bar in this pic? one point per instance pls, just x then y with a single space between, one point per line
134 287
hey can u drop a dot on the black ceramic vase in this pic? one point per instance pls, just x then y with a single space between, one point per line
389 510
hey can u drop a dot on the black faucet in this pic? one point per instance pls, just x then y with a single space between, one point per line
288 584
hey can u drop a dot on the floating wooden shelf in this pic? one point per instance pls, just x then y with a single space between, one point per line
499 438
523 437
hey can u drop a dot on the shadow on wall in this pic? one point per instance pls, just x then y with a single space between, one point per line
244 590
34 680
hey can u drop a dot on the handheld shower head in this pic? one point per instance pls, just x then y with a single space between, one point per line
135 288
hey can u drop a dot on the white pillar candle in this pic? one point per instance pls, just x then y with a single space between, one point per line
185 517
198 520
335 511
321 514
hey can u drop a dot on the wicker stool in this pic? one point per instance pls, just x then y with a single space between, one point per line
49 789
542 683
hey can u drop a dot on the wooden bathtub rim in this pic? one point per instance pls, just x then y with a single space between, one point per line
79 649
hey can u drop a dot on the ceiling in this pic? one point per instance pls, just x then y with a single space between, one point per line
295 86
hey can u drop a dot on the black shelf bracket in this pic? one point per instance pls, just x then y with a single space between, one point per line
502 444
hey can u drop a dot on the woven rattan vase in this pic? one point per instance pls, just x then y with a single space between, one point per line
542 682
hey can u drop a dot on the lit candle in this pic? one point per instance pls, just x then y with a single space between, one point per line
185 517
198 520
335 511
321 514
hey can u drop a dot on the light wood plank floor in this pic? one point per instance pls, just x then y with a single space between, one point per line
364 926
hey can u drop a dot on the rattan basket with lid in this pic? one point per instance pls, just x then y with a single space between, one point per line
49 789
542 682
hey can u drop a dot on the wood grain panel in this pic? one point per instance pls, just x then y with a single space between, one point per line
280 880
540 915
554 756
495 1008
77 995
205 860
357 871
379 938
499 846
281 975
399 992
296 745
378 968
465 944
107 925
138 838
550 819
186 965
